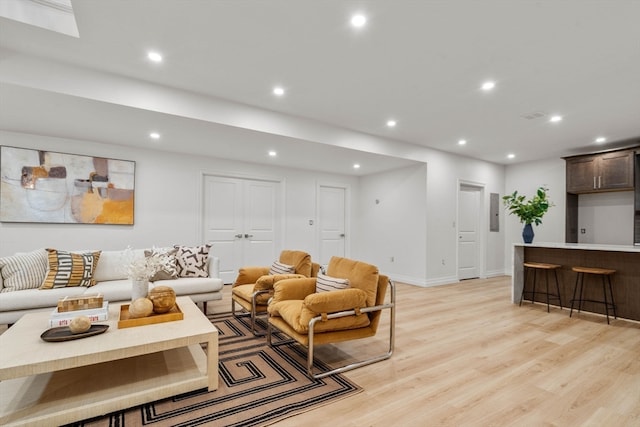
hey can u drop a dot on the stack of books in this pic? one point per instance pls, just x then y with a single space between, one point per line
63 318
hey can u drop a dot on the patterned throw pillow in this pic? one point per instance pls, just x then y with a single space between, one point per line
23 271
279 268
326 283
167 257
192 261
68 269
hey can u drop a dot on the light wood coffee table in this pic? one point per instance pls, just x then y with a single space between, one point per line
53 383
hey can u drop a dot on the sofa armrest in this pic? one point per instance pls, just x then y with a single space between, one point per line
293 289
335 301
213 266
250 275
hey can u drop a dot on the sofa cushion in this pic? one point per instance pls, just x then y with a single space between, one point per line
167 258
29 299
112 265
68 269
326 283
23 271
192 260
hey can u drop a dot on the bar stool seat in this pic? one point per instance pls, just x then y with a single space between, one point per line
547 268
606 274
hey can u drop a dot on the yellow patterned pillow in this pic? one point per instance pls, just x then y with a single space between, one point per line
70 269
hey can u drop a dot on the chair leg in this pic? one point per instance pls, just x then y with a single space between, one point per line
524 284
546 283
253 316
575 288
555 271
606 304
613 302
533 290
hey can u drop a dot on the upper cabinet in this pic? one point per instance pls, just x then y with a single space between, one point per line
612 171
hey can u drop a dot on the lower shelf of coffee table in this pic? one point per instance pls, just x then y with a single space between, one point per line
76 394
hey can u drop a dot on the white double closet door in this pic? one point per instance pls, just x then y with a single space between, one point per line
241 220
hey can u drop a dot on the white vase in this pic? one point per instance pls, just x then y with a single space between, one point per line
139 289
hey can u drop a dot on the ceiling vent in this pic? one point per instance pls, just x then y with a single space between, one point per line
534 115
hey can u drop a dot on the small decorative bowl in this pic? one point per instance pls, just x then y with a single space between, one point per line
163 299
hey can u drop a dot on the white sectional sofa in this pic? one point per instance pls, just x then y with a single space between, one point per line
111 281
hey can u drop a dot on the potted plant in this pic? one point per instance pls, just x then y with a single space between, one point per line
529 211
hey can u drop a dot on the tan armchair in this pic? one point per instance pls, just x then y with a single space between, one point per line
254 285
312 318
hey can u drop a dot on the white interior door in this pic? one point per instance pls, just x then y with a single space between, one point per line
332 203
240 221
260 224
468 232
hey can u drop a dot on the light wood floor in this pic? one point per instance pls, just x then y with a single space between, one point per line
466 356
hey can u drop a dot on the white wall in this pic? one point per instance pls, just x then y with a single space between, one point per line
526 178
445 172
167 200
392 223
606 218
416 223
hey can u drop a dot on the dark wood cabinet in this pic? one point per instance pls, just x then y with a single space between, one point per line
610 171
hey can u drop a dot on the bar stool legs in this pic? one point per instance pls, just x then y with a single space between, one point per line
605 274
535 266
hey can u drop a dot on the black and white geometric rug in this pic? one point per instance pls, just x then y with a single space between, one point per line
258 385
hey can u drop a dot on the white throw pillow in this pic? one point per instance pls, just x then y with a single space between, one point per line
279 268
326 283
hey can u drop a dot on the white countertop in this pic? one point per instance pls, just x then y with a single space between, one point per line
581 246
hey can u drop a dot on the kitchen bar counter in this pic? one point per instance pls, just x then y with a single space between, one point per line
622 258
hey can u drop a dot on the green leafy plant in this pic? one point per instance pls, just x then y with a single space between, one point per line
529 211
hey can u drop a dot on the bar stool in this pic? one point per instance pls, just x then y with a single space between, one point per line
602 272
547 268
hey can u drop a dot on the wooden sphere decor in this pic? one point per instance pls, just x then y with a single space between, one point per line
79 324
141 307
163 299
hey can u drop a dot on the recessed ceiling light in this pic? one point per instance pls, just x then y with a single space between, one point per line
488 85
391 123
272 153
356 166
462 142
154 135
601 139
555 119
154 56
511 156
279 91
358 21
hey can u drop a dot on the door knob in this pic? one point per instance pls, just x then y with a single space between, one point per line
239 236
246 236
342 235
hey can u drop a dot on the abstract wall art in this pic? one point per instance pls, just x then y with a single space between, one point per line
51 187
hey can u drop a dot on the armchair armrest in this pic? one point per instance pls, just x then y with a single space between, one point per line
335 301
267 282
249 275
293 289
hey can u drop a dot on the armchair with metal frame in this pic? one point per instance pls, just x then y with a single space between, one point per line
254 285
311 318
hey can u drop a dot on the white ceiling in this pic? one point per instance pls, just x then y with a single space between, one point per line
418 62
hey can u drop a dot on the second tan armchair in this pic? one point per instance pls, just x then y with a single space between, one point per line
312 318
